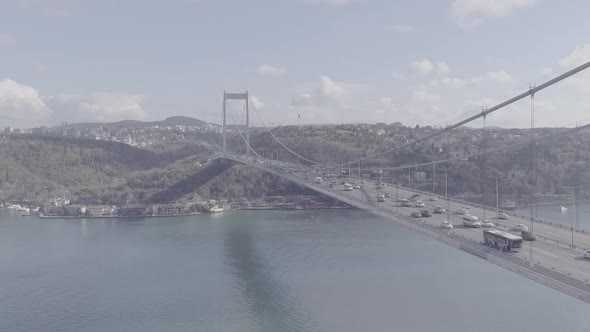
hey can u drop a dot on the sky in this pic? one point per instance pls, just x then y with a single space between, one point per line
421 62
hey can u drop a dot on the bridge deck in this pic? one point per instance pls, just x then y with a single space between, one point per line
555 263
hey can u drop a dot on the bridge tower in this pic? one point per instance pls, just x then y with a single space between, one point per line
235 96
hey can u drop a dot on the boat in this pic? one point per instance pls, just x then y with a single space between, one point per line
216 209
26 212
562 209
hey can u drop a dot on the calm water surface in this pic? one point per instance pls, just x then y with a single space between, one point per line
553 214
259 271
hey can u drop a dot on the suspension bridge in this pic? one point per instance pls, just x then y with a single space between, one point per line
555 259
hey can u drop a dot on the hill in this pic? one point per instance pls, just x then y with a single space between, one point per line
170 121
103 172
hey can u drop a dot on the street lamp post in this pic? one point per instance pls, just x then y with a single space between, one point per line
573 210
447 193
497 194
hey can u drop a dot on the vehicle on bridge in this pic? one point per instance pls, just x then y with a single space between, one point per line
347 187
380 198
433 198
439 209
357 186
463 211
528 236
416 214
419 204
426 213
319 180
471 221
503 240
446 225
405 202
415 196
587 254
503 216
520 228
487 223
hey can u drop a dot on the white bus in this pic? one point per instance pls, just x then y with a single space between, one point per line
503 240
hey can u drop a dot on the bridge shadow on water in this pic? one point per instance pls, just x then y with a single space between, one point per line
191 183
271 307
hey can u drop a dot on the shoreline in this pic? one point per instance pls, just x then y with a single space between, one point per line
117 217
190 214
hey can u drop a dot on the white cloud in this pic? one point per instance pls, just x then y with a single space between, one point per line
443 68
331 2
258 104
581 81
271 71
327 100
397 75
384 106
423 67
470 13
21 105
424 97
455 83
400 28
500 76
101 107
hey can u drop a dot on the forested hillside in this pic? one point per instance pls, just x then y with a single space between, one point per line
91 171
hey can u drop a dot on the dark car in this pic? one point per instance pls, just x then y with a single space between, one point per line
416 214
528 236
426 213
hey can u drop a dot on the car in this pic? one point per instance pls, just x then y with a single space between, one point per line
486 223
387 195
503 216
426 213
416 214
587 254
406 204
462 211
520 227
446 225
433 199
471 221
357 187
528 236
439 209
414 196
419 204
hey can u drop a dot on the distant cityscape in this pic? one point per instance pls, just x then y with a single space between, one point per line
133 136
